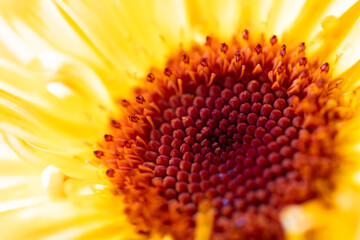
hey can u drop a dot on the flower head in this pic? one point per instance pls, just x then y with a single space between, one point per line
234 134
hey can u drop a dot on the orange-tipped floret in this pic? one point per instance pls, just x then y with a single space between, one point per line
246 129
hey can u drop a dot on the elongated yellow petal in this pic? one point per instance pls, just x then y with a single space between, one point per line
309 16
38 26
336 31
67 222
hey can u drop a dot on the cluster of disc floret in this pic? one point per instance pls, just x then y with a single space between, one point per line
242 128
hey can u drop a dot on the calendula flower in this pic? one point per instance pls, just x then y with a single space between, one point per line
180 120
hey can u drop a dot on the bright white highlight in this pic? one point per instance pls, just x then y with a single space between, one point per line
58 89
295 220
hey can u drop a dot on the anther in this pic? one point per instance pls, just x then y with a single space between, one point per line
258 49
110 173
302 61
185 58
128 143
133 118
167 72
273 39
115 124
283 50
150 77
245 34
140 99
304 74
224 47
108 138
98 153
238 56
302 47
203 62
325 67
124 103
281 68
208 41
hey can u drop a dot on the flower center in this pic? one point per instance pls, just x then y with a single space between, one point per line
234 126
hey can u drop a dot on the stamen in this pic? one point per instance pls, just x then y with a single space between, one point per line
186 59
133 118
302 61
115 124
283 51
203 62
110 173
245 34
150 77
224 48
273 40
325 67
167 72
108 138
208 41
238 56
302 47
99 153
258 49
140 99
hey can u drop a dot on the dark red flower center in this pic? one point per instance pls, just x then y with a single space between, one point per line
227 126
